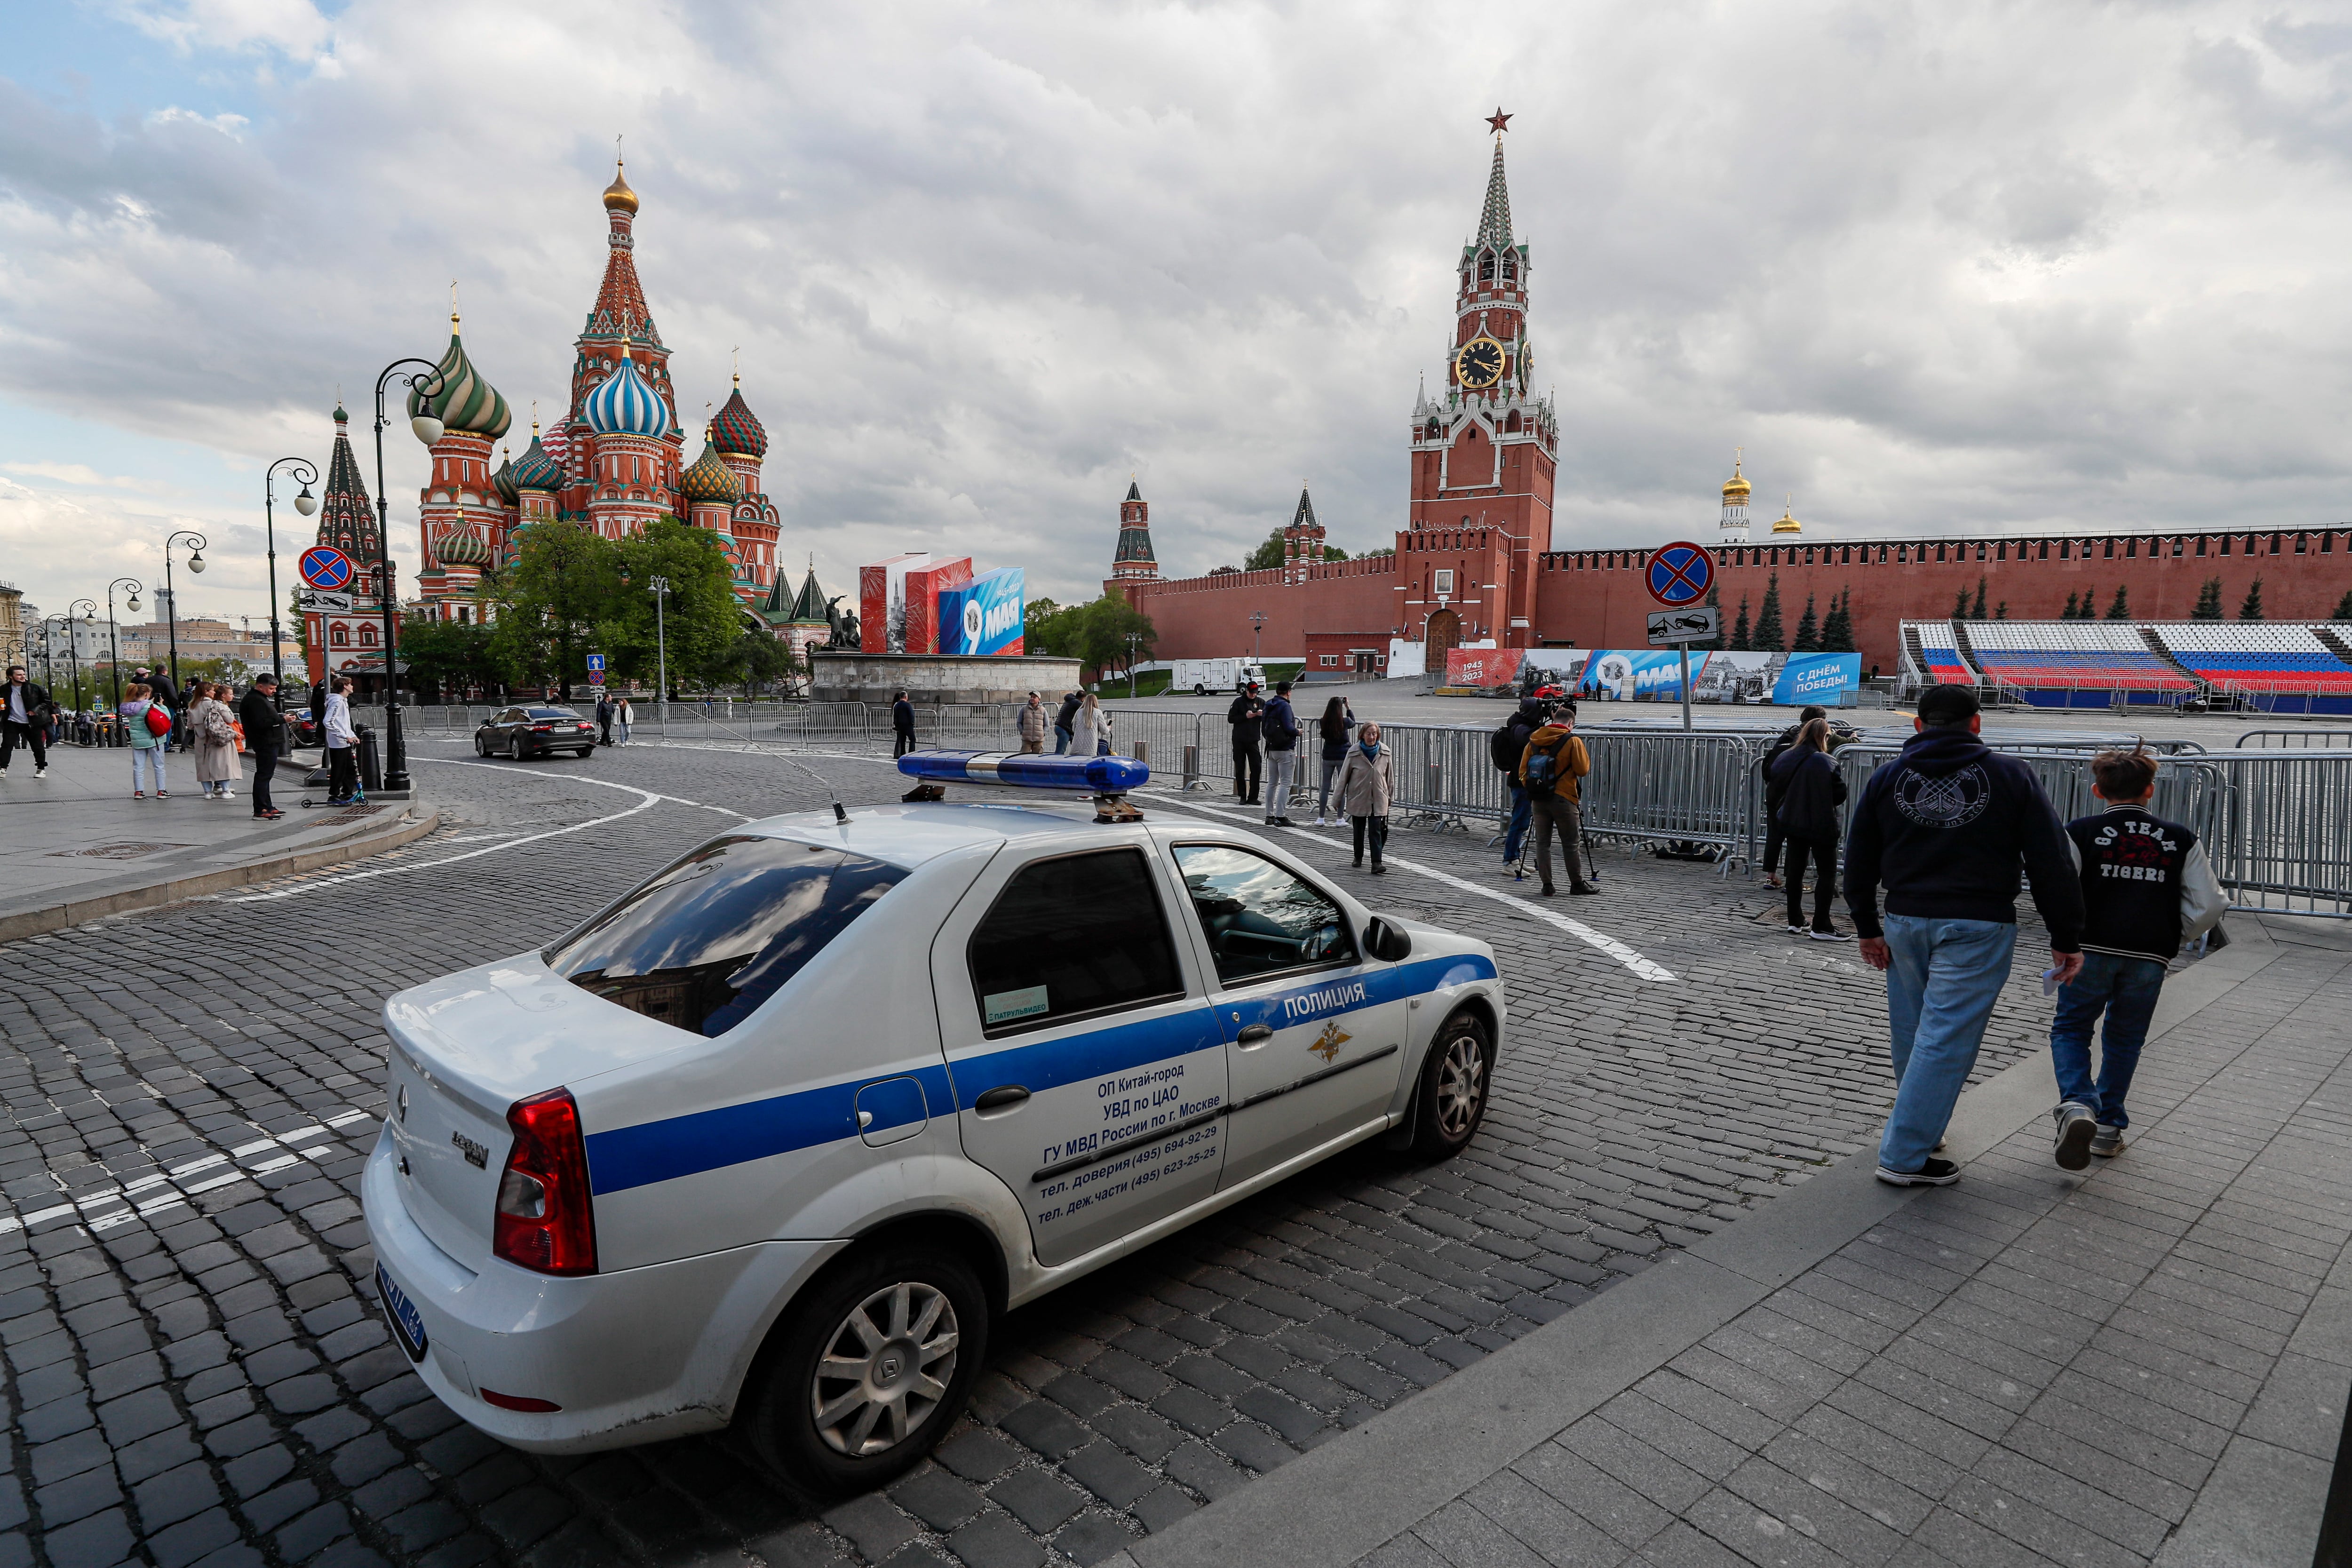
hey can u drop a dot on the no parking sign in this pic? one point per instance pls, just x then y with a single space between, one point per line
326 568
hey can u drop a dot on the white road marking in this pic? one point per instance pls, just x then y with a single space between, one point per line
182 1181
647 801
1647 969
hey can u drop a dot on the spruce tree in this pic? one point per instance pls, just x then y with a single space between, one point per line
2252 610
1837 630
2343 607
1769 638
1960 605
2068 612
1740 640
1715 603
2121 609
1809 631
1976 613
2001 612
2208 600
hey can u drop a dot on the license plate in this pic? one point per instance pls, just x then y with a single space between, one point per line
407 1323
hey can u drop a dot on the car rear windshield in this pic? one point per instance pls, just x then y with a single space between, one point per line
553 713
702 944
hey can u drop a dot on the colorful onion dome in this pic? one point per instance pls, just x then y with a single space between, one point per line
466 403
503 481
737 429
539 470
626 404
464 546
708 479
618 197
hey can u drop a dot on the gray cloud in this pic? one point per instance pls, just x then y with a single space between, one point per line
1937 267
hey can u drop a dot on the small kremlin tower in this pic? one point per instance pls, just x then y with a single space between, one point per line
1302 542
1133 560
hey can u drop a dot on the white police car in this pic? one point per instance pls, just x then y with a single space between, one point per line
773 1138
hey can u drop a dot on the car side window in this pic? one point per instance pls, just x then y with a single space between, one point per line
1259 918
1072 936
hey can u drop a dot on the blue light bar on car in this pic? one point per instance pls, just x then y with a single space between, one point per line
1090 775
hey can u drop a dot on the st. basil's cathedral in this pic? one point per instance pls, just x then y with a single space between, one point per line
614 463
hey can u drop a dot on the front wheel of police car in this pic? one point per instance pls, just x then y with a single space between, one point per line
875 1361
1453 1088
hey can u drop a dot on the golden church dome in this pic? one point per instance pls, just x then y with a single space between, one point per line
1735 489
1787 523
618 197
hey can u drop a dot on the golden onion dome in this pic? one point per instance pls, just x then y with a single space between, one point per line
1787 522
618 197
1735 489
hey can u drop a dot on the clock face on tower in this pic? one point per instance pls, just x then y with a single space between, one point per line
1481 364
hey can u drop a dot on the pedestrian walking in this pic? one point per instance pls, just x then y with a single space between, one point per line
265 738
1092 738
26 713
343 743
146 742
1552 771
902 724
1811 793
1337 727
1031 722
212 735
1945 827
1367 786
191 693
2148 888
1773 833
1506 747
624 715
1281 728
603 718
1244 716
1064 718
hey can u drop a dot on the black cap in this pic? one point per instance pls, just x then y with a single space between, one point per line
1949 705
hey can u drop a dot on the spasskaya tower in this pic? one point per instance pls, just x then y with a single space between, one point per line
1484 450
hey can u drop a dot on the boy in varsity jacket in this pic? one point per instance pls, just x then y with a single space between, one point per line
2147 887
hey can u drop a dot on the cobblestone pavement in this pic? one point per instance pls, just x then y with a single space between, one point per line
2026 1369
196 1370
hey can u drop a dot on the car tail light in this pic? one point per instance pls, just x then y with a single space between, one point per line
542 726
546 1221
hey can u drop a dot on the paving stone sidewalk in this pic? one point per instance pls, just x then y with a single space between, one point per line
2148 1363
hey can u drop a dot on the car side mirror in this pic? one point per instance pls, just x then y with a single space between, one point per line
1389 942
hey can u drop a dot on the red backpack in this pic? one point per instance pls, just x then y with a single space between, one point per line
159 719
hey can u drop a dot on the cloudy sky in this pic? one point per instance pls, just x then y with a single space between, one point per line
1939 267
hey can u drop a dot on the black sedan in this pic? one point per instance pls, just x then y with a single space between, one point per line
521 732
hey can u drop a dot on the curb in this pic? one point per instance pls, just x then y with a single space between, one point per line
82 912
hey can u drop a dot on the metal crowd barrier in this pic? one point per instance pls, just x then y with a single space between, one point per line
2282 842
2294 740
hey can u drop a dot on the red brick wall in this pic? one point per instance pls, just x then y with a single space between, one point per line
1596 598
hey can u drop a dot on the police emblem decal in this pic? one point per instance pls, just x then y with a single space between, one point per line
1327 1044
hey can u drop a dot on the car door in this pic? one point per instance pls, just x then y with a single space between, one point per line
501 726
1089 1072
1315 1030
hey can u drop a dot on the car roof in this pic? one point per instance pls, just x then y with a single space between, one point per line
911 833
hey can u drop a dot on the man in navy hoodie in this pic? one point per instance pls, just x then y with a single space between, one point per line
1945 828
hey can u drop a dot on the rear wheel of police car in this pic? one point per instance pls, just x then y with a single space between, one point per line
869 1369
1455 1084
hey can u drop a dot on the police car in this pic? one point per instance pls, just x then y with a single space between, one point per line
772 1139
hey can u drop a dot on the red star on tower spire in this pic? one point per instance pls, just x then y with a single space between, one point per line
1499 121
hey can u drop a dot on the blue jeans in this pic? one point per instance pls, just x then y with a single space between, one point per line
1060 740
1940 988
153 757
1515 838
2126 989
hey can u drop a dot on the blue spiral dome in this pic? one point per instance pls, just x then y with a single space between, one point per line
626 404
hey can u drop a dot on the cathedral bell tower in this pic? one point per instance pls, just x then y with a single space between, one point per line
1483 450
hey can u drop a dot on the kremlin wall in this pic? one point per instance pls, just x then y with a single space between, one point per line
1474 563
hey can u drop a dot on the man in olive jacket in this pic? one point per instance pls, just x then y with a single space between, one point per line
1552 770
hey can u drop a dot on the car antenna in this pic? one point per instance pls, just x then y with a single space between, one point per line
840 816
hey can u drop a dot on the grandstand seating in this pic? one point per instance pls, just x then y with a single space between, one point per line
1939 652
2253 656
2087 659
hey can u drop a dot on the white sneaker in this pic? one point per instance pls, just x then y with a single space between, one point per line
227 793
1321 823
42 772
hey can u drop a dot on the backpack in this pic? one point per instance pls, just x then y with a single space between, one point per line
1506 745
159 722
1542 780
1270 726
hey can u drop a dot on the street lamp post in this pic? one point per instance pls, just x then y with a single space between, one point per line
659 588
306 504
427 384
1258 635
113 649
172 611
89 608
1134 641
50 650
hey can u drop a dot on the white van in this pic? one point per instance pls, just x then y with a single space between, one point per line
1203 676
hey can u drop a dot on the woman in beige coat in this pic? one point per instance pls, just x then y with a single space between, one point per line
209 726
1366 786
